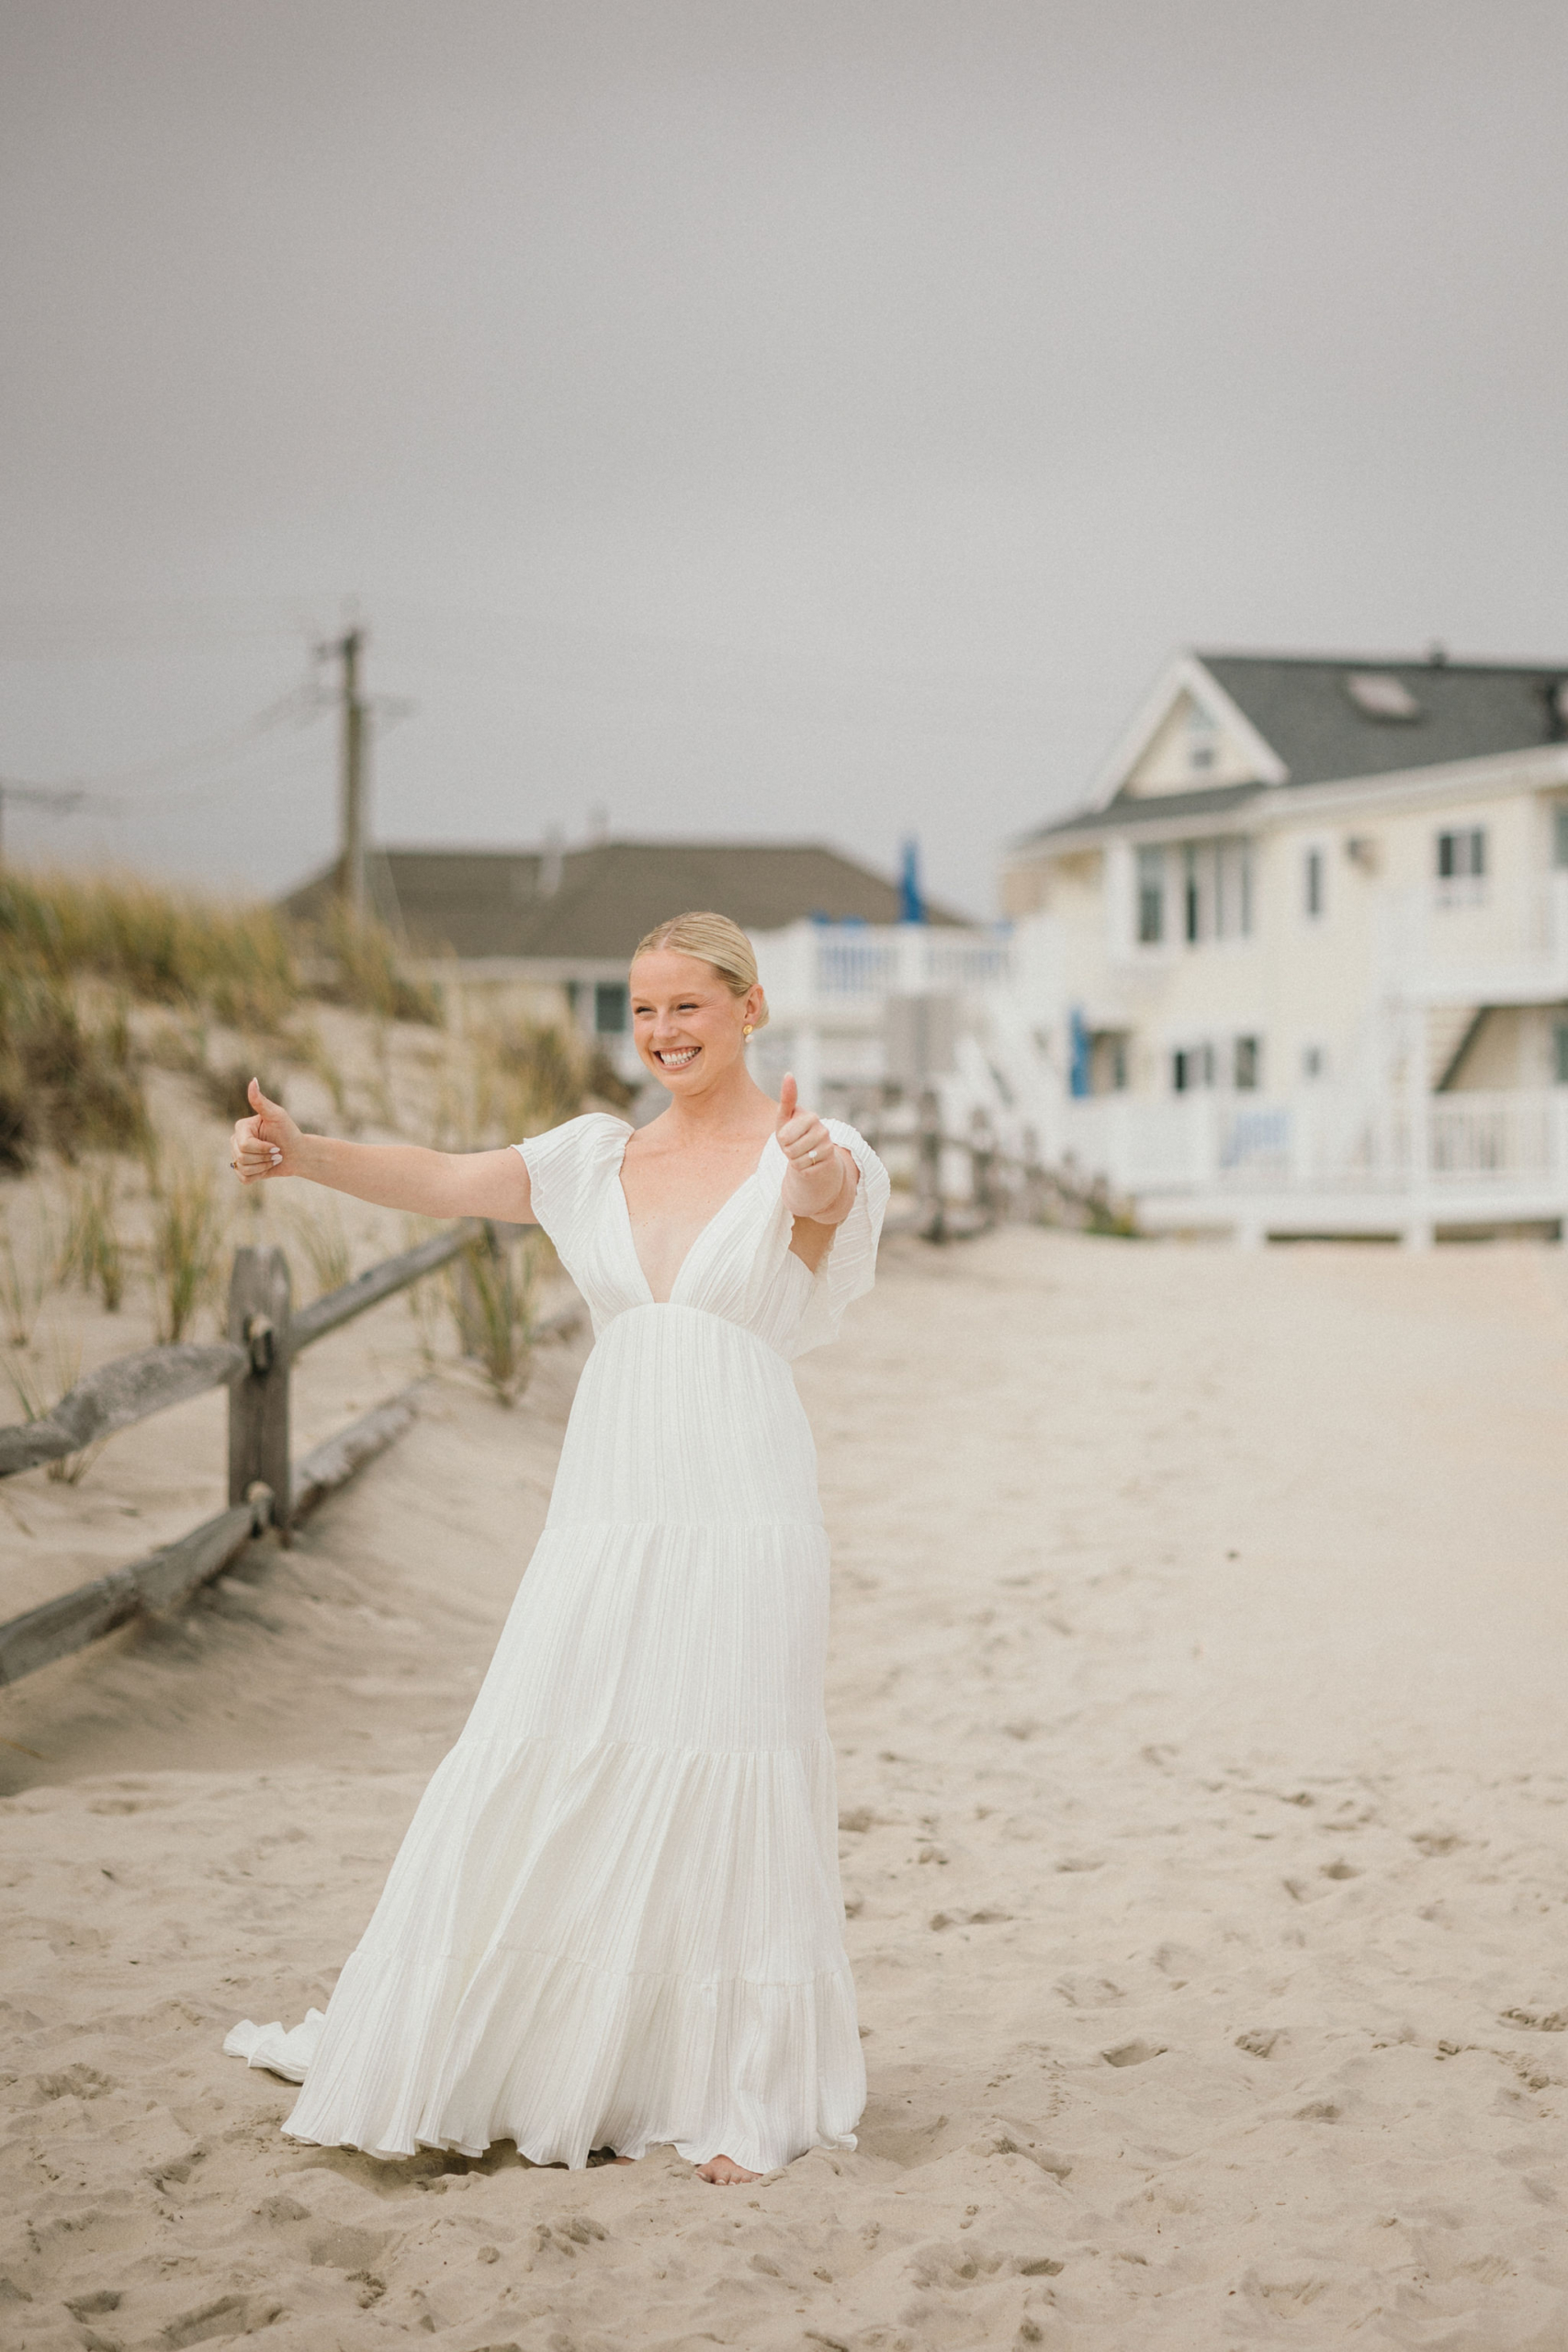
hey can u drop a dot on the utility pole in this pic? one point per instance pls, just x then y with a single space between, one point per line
352 789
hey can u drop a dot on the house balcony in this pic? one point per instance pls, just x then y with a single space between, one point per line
1321 1161
839 976
1473 949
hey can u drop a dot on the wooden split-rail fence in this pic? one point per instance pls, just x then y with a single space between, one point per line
266 1488
1002 1184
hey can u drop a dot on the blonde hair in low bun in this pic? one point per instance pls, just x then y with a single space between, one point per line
716 940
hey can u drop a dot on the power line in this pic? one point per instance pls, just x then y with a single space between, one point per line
60 799
301 705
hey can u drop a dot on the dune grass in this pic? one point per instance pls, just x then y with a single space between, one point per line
82 958
512 1080
77 952
366 971
27 1277
315 1227
94 1251
491 1289
67 1080
155 945
189 1239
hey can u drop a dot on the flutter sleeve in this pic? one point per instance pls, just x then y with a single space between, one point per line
849 1270
563 1165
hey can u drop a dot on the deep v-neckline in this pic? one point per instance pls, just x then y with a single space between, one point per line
697 1239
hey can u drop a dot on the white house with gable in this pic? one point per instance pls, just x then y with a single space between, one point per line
1301 961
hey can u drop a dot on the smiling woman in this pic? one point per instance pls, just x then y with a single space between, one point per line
615 1918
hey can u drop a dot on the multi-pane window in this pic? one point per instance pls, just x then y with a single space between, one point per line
1234 1062
1233 890
1216 891
1151 897
1315 884
1193 891
1461 865
1191 1068
610 1008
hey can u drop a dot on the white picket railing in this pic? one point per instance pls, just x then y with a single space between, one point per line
1318 1140
854 963
856 967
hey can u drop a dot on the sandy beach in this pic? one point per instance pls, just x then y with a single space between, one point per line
1196 1680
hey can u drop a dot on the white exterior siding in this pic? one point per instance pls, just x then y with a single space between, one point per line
1362 940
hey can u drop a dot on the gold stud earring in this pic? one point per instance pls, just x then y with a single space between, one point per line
746 1032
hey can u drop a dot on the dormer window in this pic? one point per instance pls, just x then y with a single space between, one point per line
1378 693
1202 739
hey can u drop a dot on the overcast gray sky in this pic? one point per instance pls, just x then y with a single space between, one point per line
750 418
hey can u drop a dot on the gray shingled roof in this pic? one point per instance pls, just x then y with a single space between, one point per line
490 902
1161 807
1469 710
1302 708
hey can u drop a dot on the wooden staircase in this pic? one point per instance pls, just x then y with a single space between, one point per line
1450 1030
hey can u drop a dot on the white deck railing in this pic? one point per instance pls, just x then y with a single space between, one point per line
1323 1142
846 967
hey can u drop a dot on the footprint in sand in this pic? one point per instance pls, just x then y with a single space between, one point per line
1134 2053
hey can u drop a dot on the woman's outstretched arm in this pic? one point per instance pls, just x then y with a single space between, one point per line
393 1175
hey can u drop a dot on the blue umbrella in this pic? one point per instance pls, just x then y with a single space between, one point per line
912 906
1078 1053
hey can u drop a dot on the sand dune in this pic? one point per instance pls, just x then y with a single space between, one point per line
1198 1638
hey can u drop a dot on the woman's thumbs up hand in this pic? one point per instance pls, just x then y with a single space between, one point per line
267 1143
813 1180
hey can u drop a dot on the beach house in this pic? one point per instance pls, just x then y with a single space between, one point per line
549 930
1300 962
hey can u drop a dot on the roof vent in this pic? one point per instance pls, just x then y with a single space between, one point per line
1378 693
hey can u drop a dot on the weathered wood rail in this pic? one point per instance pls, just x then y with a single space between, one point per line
1002 1184
266 1489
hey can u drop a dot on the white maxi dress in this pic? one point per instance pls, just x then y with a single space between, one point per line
615 1919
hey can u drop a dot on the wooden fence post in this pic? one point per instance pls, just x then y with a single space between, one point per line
983 1168
929 1173
1034 1183
259 1311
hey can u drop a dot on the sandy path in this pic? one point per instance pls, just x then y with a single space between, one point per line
1198 1627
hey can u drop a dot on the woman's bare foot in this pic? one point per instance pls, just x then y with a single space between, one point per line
725 2172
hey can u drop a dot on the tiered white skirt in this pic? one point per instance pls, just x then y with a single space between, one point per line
615 1918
